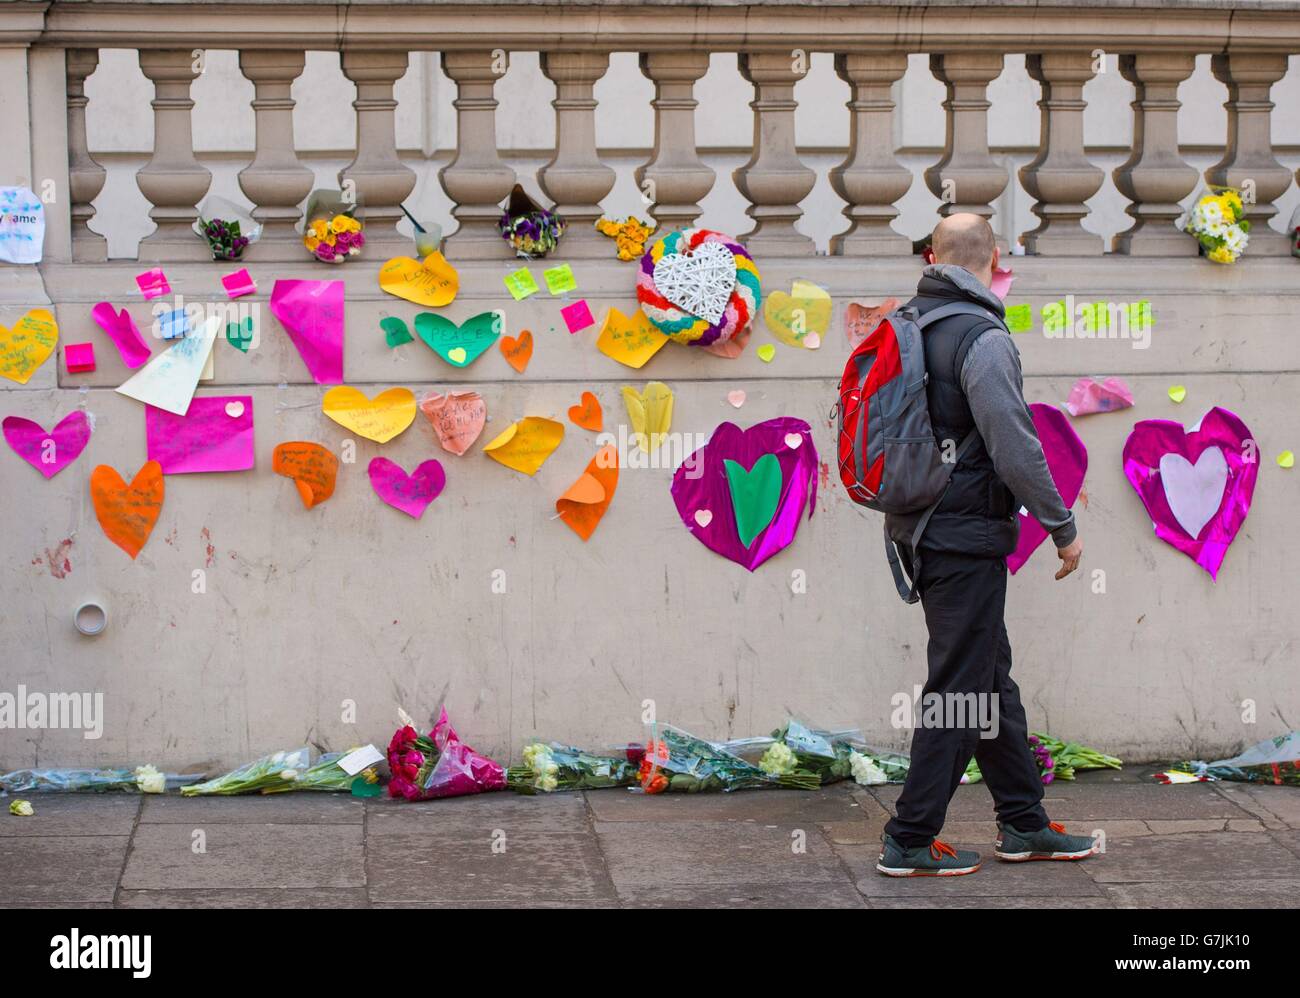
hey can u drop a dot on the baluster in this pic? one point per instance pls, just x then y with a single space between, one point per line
476 180
1249 153
1155 178
85 176
275 181
774 180
173 181
675 179
871 179
575 178
1061 178
382 180
966 178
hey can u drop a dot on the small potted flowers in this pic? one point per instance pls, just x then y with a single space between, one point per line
528 227
1218 221
629 235
331 230
226 227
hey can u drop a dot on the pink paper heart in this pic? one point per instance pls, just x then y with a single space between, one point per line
1067 460
49 453
410 493
1149 448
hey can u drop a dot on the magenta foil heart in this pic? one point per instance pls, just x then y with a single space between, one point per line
1196 484
700 487
410 493
1067 460
49 453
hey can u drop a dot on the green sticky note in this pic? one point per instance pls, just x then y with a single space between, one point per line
1140 315
1097 317
560 280
521 284
395 331
755 494
1020 318
363 788
240 334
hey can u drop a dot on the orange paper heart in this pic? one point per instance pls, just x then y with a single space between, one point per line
127 513
586 500
588 413
313 468
518 351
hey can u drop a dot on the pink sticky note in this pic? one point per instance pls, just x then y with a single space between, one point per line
80 357
312 314
1088 396
409 493
49 453
1002 280
577 316
239 283
121 329
215 434
153 283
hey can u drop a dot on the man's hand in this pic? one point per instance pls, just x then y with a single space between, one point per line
1069 556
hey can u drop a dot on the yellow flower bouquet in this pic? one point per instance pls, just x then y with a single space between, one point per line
1218 221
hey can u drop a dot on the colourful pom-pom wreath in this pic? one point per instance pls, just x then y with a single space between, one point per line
681 325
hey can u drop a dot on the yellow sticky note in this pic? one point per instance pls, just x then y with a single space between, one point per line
1286 459
27 345
433 281
1177 393
525 445
520 283
791 317
651 413
560 279
379 419
630 340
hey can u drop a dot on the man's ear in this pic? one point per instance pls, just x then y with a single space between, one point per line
995 258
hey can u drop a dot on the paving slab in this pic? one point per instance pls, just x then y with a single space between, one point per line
833 803
1274 806
304 808
60 868
1204 856
245 855
1223 893
991 902
71 814
482 814
307 897
747 895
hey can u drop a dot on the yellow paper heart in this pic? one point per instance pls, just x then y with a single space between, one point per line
630 340
433 281
27 345
766 352
1177 393
457 354
651 413
525 445
379 419
791 317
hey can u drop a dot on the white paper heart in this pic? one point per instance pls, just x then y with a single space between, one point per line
704 517
699 283
234 409
793 440
1194 492
737 397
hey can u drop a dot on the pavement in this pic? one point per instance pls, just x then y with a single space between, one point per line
1197 845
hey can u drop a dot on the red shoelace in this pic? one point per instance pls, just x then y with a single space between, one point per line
1056 827
940 849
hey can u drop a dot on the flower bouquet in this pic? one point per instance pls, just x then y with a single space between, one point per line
331 228
1218 221
551 766
629 235
438 764
328 776
269 771
227 228
1274 760
528 227
142 779
678 762
797 747
1058 760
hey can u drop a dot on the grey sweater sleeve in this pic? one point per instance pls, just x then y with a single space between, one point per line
994 387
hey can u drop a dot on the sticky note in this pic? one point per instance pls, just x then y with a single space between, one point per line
1020 318
153 283
80 357
630 340
174 325
431 281
525 445
520 283
560 279
238 284
395 331
577 316
27 345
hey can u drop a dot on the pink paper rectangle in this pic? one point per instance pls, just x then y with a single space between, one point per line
215 434
311 312
577 316
153 283
80 357
239 283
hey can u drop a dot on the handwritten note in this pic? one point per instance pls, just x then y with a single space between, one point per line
27 345
520 283
379 419
559 279
431 281
312 467
214 434
577 316
630 340
525 445
457 418
312 314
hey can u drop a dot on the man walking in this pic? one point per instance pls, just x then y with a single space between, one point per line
974 383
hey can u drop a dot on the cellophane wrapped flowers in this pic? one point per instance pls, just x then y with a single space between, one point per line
333 239
438 764
326 775
629 235
142 779
1218 221
552 766
533 233
678 762
269 771
224 238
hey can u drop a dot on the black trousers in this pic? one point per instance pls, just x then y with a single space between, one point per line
964 598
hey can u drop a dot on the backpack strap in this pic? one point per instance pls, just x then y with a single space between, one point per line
908 592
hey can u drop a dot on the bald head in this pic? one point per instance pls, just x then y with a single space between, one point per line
967 241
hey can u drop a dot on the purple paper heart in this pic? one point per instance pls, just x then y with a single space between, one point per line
410 493
1154 440
49 453
700 487
1067 460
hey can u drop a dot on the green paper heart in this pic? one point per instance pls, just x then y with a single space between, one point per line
395 331
755 495
473 336
240 334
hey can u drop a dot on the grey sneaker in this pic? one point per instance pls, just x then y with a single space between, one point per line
1048 843
938 859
